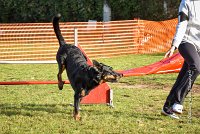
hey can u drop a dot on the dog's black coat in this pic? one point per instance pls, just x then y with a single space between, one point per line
80 74
83 77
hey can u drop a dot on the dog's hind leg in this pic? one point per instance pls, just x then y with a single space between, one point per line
77 100
59 76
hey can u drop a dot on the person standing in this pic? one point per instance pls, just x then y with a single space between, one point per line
187 41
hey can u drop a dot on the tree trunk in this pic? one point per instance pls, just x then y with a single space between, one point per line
106 11
165 6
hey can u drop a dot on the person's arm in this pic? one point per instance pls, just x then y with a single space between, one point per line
180 29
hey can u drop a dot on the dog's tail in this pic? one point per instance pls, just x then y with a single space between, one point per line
57 29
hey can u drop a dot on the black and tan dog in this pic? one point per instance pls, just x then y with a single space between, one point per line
83 77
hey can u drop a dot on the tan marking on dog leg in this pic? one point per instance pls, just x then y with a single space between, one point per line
83 93
76 116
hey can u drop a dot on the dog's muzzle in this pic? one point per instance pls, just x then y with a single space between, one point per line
108 75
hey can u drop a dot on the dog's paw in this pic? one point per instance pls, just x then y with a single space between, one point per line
60 85
77 117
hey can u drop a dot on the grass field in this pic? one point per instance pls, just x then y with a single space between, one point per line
43 109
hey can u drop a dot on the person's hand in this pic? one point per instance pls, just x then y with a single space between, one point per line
170 52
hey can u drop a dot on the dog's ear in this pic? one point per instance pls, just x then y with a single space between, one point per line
96 63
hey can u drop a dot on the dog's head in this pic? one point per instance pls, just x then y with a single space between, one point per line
108 75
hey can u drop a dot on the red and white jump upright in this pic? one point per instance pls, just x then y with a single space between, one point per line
102 94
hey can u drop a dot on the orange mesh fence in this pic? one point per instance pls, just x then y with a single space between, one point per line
27 42
157 36
37 41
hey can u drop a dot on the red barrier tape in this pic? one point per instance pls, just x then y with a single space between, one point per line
30 82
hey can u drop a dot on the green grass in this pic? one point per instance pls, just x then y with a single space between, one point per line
36 109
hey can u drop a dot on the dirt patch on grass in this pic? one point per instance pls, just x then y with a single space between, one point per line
135 86
195 89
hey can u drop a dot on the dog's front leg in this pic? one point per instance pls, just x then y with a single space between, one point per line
59 76
76 106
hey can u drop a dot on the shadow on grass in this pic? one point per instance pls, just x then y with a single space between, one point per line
33 109
125 114
41 109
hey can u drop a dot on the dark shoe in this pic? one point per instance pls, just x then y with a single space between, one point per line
169 112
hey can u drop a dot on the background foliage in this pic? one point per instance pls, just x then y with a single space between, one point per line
84 10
